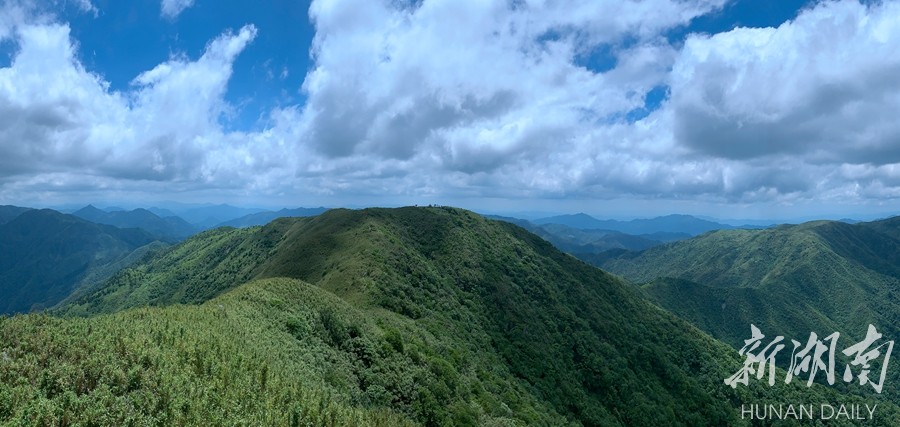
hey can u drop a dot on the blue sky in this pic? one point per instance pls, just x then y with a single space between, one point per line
267 74
735 109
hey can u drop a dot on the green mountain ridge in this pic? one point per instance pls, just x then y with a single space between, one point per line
493 324
46 255
821 276
410 316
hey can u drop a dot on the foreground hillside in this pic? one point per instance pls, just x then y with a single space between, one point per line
430 316
45 256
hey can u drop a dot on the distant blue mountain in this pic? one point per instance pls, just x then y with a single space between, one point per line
169 228
591 241
211 216
161 212
683 224
263 218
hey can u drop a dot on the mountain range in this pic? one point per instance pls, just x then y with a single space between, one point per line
46 255
204 217
8 213
265 217
423 316
826 276
410 316
592 241
686 224
50 257
170 228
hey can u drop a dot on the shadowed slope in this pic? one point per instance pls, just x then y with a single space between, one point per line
45 255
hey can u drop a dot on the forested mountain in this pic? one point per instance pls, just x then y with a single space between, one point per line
432 316
820 276
8 213
46 255
169 228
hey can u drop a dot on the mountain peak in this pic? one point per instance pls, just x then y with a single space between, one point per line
91 208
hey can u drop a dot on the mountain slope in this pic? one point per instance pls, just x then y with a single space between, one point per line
168 228
8 213
822 276
497 326
261 355
44 256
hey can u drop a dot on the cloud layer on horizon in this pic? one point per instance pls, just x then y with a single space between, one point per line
479 99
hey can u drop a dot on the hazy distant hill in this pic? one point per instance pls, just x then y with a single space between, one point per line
684 224
424 316
580 241
160 212
263 218
45 255
8 213
169 228
206 217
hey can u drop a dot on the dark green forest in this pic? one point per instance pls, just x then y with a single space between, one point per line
821 276
45 256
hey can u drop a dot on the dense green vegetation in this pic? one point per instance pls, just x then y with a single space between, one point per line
262 355
191 272
821 276
283 352
45 256
428 316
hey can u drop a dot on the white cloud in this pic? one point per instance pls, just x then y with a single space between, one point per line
825 86
481 88
12 14
88 7
505 107
56 118
482 99
818 93
172 8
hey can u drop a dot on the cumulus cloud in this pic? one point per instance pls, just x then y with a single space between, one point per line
483 99
825 86
58 118
752 114
172 8
479 88
819 93
87 6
